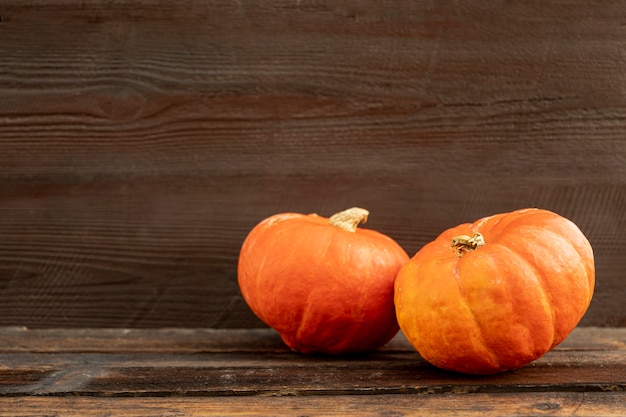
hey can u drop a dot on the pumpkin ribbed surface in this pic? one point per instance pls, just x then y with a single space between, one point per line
323 288
499 305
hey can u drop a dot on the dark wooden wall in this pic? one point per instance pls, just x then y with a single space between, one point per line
141 140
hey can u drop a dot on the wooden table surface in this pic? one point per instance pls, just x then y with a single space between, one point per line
90 372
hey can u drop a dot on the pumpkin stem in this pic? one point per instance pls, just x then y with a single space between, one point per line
463 243
349 219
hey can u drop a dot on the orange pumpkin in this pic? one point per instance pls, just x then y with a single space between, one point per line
496 294
323 284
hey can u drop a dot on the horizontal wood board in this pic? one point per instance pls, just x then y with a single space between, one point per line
140 141
578 404
218 372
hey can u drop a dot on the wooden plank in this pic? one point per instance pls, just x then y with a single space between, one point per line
134 159
140 376
471 405
181 340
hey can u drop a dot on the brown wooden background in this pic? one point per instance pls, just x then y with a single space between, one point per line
141 140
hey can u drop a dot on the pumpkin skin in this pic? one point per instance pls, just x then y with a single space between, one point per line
322 288
501 305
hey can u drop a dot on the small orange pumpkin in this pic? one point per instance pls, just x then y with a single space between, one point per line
496 294
323 284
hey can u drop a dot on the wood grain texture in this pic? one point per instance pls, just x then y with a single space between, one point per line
140 141
219 372
579 404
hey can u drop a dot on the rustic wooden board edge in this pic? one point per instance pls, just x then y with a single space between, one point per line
581 404
182 340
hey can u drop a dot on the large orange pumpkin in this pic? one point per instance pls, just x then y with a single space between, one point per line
323 284
496 294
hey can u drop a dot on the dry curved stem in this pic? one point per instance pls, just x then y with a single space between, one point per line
463 243
349 219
